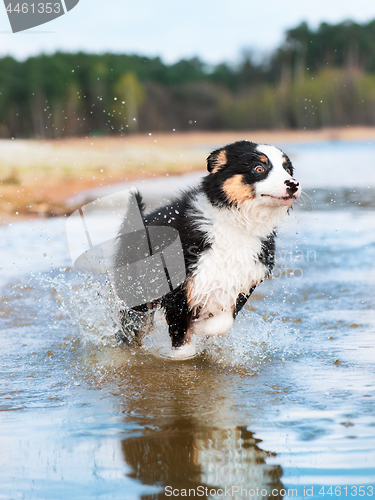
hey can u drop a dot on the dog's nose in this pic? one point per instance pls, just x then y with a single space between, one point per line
291 186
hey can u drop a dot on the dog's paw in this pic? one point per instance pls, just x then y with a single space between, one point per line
186 351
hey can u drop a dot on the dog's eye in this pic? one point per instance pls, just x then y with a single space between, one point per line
259 169
289 171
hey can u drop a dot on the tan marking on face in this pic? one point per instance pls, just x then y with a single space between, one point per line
263 158
237 191
219 161
285 160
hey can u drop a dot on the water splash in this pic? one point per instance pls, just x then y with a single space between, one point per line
93 306
250 342
90 303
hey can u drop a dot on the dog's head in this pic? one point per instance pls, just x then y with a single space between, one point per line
245 171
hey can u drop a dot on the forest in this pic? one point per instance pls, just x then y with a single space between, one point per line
316 78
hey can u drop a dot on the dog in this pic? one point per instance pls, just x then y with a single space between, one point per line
227 229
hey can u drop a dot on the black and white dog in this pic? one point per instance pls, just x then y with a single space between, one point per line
227 230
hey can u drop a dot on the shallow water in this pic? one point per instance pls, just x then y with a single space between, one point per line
285 401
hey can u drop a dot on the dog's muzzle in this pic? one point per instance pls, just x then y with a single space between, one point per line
291 186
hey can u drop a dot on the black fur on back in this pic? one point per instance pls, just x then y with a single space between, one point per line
179 215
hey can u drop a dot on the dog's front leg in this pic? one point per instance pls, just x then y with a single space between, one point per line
241 301
178 316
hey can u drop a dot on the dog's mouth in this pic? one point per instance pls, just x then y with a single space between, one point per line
281 198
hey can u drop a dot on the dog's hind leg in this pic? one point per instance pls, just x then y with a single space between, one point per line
133 323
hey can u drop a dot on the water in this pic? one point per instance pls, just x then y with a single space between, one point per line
283 403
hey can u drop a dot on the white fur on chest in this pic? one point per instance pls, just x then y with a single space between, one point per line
231 265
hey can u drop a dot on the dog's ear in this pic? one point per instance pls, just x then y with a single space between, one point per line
216 160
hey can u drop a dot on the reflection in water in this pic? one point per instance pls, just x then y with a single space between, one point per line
189 436
81 420
193 456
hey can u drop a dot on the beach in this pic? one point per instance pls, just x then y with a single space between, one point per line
40 178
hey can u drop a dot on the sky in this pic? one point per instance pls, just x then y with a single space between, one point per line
214 30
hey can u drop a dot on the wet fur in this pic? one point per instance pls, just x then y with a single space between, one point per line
227 230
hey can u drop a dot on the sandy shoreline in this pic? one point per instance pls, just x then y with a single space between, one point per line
37 177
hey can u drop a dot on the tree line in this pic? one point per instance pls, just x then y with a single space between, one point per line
316 78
